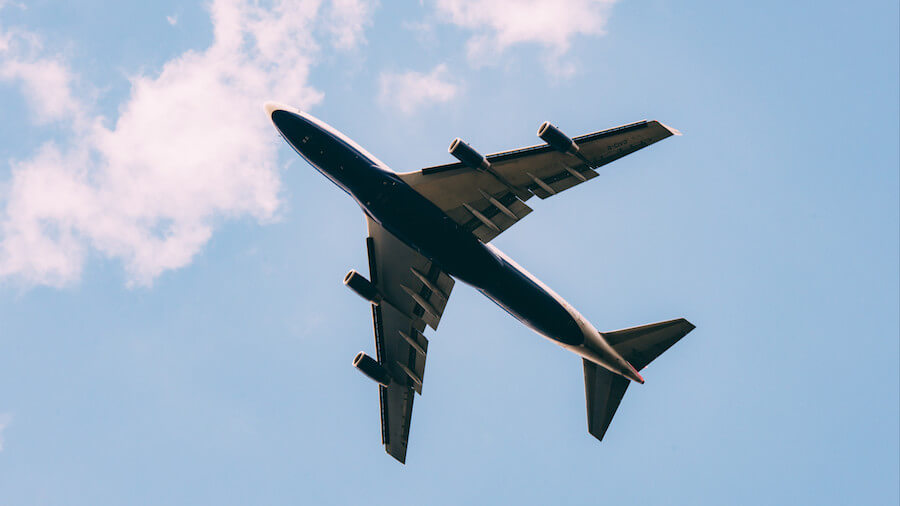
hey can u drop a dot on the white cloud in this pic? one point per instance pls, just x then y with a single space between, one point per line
348 20
191 146
45 81
46 86
5 420
409 91
501 24
172 20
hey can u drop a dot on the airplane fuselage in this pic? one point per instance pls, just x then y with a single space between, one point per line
416 221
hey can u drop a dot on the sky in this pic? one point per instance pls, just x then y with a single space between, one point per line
173 326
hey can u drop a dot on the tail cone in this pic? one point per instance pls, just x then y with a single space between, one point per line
632 374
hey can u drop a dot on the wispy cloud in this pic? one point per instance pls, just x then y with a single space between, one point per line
190 147
500 24
172 20
5 420
410 91
45 81
347 21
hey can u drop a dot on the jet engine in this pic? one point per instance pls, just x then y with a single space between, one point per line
468 156
363 287
556 139
371 368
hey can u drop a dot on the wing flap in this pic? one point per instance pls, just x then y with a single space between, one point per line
492 213
567 177
399 403
405 283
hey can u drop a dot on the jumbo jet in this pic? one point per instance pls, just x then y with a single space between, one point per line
430 227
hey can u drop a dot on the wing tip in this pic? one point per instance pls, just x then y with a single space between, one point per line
398 454
673 131
687 326
598 437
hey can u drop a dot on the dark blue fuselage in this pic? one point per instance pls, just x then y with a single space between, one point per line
416 221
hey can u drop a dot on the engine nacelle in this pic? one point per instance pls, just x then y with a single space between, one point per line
363 287
468 156
556 139
371 368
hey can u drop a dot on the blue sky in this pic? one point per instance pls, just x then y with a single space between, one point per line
174 329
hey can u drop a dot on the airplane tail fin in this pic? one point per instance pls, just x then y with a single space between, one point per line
639 346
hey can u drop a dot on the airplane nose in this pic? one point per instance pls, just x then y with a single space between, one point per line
271 107
288 120
296 128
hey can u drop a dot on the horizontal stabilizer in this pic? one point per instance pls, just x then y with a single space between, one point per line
603 391
641 345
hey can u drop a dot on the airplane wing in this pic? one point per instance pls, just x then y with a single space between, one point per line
415 292
487 204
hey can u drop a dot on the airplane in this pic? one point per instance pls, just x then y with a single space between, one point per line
430 227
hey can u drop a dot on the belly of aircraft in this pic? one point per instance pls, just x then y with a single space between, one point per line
427 229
